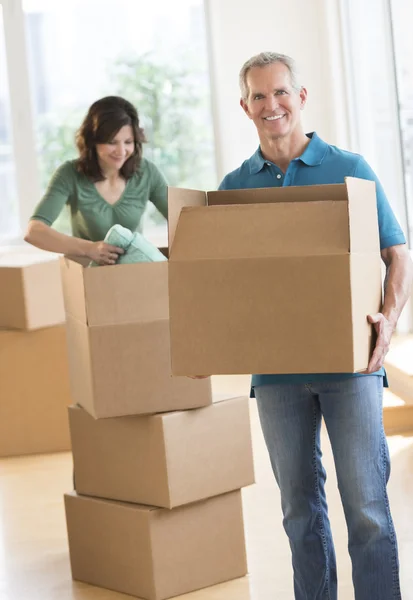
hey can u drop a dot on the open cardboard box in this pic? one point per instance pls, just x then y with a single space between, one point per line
276 280
118 341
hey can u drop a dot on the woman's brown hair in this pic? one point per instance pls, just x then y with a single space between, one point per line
103 121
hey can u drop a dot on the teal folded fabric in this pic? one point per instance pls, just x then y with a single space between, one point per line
137 248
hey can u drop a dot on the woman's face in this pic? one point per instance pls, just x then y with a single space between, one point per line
113 154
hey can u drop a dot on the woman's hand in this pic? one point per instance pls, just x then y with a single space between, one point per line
103 253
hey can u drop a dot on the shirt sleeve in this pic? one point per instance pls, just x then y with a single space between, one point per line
224 184
390 231
55 197
158 194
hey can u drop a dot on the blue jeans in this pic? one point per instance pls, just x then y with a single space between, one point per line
290 417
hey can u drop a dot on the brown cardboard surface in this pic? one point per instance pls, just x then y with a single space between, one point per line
115 294
156 553
118 341
249 291
168 459
269 273
314 193
325 222
34 392
177 199
366 294
31 296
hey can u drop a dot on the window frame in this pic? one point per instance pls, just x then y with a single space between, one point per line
22 124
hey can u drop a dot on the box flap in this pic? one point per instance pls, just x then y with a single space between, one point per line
262 230
73 288
115 294
308 193
177 199
363 219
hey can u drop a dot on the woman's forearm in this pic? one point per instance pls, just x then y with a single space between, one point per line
42 236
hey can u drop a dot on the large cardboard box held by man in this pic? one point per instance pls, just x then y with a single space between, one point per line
276 280
34 391
166 460
118 341
31 294
156 553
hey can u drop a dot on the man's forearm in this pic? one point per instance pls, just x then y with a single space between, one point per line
397 286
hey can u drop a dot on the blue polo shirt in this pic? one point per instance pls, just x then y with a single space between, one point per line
320 163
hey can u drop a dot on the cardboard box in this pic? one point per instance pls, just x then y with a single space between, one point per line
282 279
31 291
156 553
166 459
34 392
118 341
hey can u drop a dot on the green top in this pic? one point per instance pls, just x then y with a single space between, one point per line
91 215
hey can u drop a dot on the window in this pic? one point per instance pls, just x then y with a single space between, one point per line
402 18
9 222
372 95
81 50
379 59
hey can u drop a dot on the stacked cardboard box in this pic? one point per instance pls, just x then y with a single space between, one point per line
158 466
34 379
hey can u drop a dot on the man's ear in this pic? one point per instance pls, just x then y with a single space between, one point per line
303 97
244 106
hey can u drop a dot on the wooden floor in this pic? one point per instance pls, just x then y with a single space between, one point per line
34 563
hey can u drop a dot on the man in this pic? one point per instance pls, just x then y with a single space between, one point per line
291 406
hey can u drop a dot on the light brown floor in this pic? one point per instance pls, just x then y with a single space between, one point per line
34 562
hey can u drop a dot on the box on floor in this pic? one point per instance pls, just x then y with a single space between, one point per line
34 391
156 553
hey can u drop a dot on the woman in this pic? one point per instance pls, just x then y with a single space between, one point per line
110 183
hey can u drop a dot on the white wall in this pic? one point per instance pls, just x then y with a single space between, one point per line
307 30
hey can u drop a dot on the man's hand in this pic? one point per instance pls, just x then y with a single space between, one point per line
384 329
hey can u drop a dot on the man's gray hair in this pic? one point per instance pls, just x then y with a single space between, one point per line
262 60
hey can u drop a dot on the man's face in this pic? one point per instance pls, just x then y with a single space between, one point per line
272 103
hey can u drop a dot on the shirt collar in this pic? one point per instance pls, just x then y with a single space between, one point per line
313 155
315 152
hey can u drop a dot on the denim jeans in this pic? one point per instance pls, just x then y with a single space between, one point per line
290 416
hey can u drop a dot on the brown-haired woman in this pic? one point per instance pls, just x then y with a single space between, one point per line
110 183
